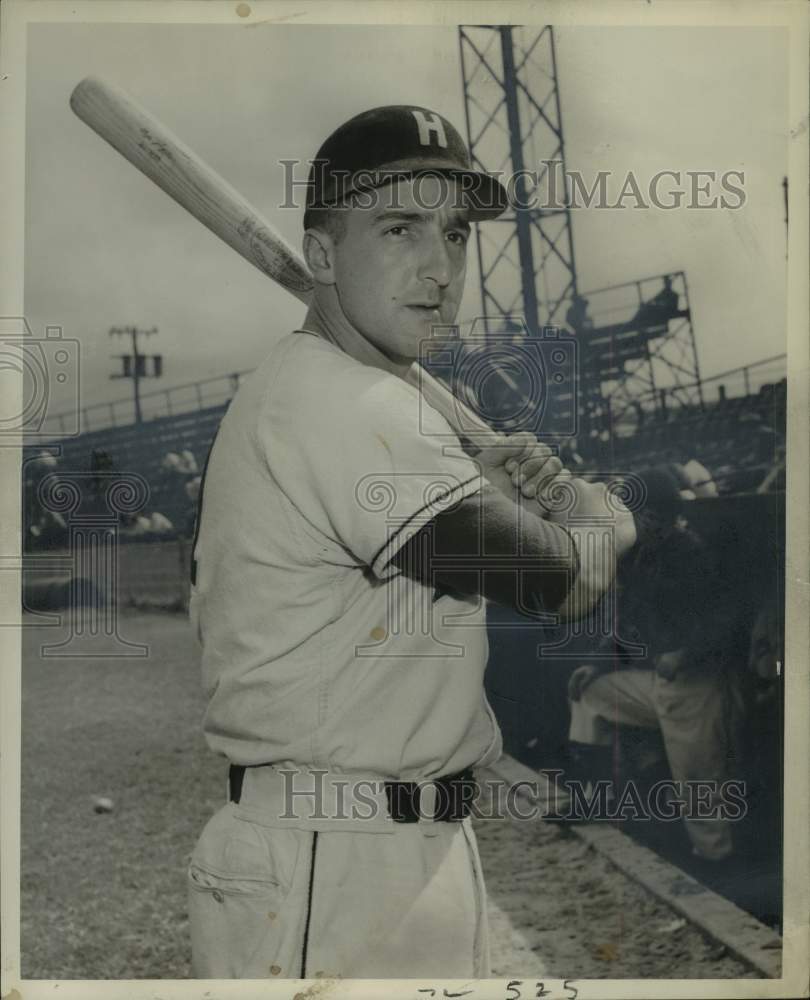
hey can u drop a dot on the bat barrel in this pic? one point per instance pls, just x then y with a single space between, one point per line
164 159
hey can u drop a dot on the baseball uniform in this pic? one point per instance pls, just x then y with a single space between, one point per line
318 655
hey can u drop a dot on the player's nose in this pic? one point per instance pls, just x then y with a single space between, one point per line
436 264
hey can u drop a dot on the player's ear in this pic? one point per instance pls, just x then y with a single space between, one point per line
319 253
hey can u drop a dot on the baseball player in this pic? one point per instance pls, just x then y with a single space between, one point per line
346 548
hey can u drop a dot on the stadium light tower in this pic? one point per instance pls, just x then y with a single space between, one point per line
635 355
514 124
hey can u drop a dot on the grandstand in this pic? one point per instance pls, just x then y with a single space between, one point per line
734 425
736 431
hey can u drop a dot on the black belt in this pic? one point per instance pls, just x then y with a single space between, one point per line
454 796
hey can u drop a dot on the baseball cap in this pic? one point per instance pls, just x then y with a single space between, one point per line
384 144
663 491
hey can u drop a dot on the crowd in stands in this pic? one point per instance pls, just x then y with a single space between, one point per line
43 528
738 442
176 490
741 440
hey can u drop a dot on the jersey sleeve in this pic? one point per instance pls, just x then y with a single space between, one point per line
363 459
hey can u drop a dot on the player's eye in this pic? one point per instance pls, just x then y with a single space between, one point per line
396 231
457 237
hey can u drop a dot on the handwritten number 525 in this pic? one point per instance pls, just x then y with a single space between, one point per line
513 991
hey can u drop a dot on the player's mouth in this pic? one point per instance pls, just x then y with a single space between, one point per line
428 311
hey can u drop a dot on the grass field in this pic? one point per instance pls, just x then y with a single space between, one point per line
103 895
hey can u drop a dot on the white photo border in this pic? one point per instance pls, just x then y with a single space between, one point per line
795 16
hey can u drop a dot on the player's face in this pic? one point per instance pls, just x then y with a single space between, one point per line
399 269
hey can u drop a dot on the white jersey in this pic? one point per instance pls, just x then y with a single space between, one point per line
315 650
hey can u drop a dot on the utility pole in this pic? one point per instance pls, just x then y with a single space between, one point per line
134 365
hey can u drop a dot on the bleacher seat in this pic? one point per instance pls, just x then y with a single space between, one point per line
141 448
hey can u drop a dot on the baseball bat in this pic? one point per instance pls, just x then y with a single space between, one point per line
159 154
168 162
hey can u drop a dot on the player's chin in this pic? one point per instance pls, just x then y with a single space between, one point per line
400 346
419 327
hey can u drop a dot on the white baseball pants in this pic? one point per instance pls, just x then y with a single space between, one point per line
291 903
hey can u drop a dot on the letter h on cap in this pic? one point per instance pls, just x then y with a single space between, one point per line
428 125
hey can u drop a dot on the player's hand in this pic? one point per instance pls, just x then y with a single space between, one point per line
580 679
501 461
518 465
589 500
534 474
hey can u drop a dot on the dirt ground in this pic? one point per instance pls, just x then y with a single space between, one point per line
559 909
103 894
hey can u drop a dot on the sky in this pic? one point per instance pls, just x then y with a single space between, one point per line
104 247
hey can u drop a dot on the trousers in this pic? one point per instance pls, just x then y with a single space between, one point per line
292 901
693 715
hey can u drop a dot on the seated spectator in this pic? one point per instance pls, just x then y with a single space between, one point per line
671 607
193 489
696 478
46 461
171 462
101 461
169 489
661 308
138 526
577 317
188 463
49 531
42 528
753 464
667 299
159 524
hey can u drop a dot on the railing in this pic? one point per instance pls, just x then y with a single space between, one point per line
617 303
192 396
185 398
746 380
